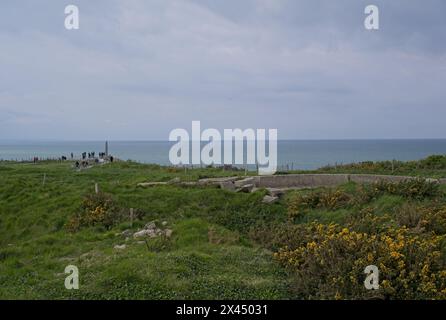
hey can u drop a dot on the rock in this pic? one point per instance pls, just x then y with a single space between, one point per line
120 247
241 183
227 185
175 181
150 230
126 233
140 242
189 183
216 181
143 233
246 188
150 226
269 199
274 192
164 223
168 233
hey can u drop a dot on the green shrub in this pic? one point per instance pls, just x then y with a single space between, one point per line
159 244
434 162
414 189
299 205
409 215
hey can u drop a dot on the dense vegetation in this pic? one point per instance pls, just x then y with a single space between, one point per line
225 245
433 166
398 227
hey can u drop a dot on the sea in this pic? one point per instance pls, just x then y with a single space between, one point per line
291 154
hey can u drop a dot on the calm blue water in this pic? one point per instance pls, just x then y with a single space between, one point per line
303 154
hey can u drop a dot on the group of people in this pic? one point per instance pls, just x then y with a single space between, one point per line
86 158
85 162
90 155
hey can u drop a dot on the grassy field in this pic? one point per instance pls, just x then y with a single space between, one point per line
224 245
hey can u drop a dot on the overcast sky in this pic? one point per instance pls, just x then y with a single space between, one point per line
136 69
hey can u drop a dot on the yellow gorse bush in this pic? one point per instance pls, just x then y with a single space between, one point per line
332 264
96 209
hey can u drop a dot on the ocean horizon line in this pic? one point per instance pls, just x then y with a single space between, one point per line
167 141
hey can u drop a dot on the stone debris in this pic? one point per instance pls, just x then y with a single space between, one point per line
276 192
246 188
152 231
216 181
243 182
126 233
279 184
120 247
140 234
146 233
150 226
227 185
269 199
189 183
175 181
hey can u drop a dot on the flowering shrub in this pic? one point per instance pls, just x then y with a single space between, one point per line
329 263
434 219
366 221
96 209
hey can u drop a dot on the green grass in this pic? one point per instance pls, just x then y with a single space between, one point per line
213 253
35 247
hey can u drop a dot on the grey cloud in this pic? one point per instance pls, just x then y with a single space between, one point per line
137 69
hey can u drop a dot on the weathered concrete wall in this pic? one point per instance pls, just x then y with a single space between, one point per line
323 180
370 178
301 180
